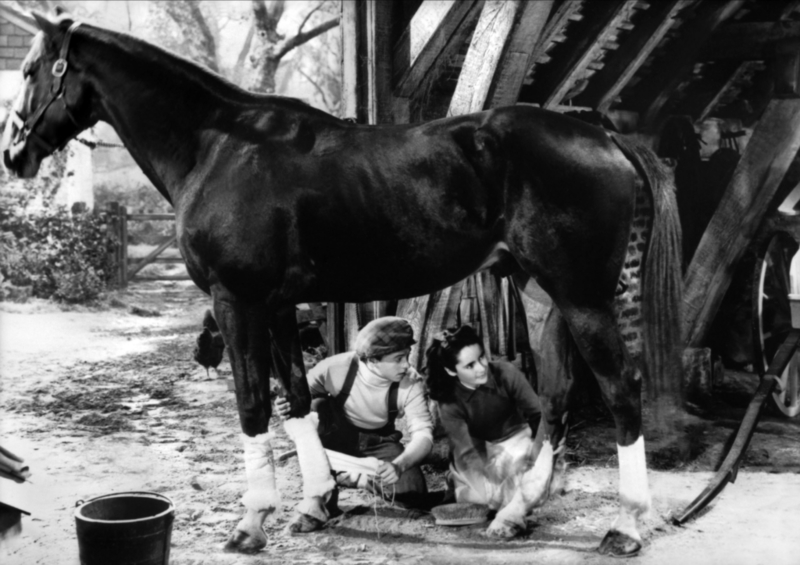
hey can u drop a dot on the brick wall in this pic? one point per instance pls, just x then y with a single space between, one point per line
14 45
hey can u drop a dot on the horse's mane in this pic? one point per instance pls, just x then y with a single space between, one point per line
186 69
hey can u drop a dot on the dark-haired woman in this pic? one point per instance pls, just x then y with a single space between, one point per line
490 413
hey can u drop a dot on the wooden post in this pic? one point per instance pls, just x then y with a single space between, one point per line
112 219
335 323
511 297
349 26
771 149
123 246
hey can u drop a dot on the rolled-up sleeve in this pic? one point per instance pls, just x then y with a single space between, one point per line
415 410
316 377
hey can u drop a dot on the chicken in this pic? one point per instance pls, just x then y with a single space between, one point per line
210 345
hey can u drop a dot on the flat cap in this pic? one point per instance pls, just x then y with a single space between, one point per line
384 336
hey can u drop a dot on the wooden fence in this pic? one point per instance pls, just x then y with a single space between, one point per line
128 268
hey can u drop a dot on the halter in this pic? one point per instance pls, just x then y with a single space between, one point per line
57 93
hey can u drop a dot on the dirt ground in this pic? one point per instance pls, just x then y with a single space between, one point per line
107 400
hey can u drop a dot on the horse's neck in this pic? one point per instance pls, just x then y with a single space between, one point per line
161 106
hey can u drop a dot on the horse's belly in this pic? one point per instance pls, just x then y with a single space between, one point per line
401 275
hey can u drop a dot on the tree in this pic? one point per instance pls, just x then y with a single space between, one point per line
179 25
267 47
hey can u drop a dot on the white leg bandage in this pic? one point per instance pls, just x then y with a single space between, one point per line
634 492
259 466
314 466
533 489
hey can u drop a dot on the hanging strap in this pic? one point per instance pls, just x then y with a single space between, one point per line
343 395
393 410
341 398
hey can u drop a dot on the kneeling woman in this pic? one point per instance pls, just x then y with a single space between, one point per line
490 413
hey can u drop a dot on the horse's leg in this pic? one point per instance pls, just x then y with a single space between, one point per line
301 427
559 362
596 334
245 329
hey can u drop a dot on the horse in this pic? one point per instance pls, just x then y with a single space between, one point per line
277 203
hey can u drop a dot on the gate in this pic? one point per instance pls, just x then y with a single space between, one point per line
128 268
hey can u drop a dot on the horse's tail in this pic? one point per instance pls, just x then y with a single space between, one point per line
662 282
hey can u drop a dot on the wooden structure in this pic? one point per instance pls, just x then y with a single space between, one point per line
16 34
128 268
626 64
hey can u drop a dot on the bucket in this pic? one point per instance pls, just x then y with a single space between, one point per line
127 528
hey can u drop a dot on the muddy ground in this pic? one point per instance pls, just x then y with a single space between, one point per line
108 399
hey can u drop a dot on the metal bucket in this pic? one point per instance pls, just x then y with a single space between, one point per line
127 528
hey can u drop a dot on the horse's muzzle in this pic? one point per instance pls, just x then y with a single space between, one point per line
16 164
7 160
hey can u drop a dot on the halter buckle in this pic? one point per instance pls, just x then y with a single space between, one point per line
59 68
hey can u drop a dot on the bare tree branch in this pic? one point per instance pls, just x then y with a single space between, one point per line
315 85
240 60
311 13
301 38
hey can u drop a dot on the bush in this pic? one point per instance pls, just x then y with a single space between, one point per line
58 255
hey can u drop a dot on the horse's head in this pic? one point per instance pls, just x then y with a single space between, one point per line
53 104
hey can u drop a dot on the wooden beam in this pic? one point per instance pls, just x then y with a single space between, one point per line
488 41
620 66
349 34
19 18
743 69
682 58
749 41
518 57
583 51
757 178
555 26
381 103
424 40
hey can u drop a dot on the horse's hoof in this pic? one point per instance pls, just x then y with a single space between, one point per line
303 523
246 542
501 529
618 544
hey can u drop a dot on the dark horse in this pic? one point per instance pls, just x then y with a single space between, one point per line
277 203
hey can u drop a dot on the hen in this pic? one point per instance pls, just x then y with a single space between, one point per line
210 346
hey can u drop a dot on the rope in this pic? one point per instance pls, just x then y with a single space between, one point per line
375 497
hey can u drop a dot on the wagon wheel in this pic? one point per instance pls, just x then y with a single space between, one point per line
772 318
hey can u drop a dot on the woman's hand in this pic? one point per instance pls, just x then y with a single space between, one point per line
282 407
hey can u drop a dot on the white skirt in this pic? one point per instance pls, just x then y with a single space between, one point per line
495 482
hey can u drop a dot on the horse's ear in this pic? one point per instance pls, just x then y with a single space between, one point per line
48 26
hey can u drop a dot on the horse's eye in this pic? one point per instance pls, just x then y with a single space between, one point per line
28 69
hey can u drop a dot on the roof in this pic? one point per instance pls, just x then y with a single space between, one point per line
19 18
701 58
